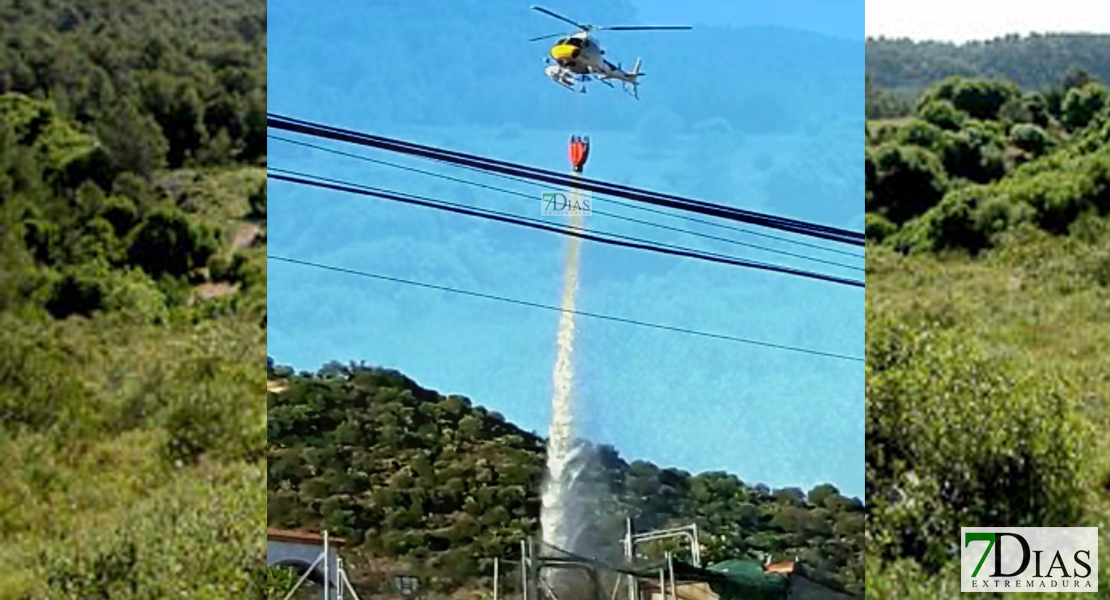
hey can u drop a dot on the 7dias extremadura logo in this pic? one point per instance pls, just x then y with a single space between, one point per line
565 204
1028 559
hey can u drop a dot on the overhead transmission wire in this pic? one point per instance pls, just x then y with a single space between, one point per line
527 181
594 211
613 239
629 193
682 330
486 164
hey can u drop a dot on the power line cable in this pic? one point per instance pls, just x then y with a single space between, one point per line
636 243
667 200
563 228
338 134
682 330
530 182
597 212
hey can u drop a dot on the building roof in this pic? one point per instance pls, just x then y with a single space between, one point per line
301 537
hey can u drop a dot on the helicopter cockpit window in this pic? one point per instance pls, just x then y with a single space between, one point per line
576 42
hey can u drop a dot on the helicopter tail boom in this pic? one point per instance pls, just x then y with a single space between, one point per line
632 80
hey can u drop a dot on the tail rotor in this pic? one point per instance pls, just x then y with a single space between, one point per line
632 84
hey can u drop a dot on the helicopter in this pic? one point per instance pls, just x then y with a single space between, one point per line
578 57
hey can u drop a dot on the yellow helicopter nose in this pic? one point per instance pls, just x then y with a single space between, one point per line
562 51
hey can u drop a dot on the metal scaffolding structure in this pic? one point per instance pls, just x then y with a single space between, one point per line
340 582
535 586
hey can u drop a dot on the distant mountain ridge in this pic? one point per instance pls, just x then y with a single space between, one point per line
1035 62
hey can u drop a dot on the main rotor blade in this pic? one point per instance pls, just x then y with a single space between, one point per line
560 17
544 37
639 28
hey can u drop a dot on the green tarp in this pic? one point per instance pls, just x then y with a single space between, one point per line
747 579
742 580
731 580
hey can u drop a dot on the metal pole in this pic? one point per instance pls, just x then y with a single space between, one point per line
306 575
347 583
662 586
697 548
670 565
628 539
533 570
339 578
524 570
628 555
495 577
327 559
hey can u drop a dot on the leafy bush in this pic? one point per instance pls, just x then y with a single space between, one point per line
77 292
1030 138
921 133
979 98
908 181
968 218
1083 103
219 552
257 203
170 243
974 153
121 212
955 439
213 415
943 114
877 228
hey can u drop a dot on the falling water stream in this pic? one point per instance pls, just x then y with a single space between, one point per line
558 520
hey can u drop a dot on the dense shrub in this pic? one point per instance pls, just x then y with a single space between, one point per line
954 438
878 228
1030 138
977 97
974 153
1082 104
908 181
1028 174
923 134
168 242
943 114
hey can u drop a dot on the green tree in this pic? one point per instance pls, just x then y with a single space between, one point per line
1081 104
943 114
979 98
168 242
134 141
908 180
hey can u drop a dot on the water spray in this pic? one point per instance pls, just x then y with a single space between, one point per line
560 522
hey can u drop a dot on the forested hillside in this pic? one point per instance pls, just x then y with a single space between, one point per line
1033 61
440 486
988 288
132 298
899 69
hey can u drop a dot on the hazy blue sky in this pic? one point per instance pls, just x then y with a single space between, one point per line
968 20
757 117
837 18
